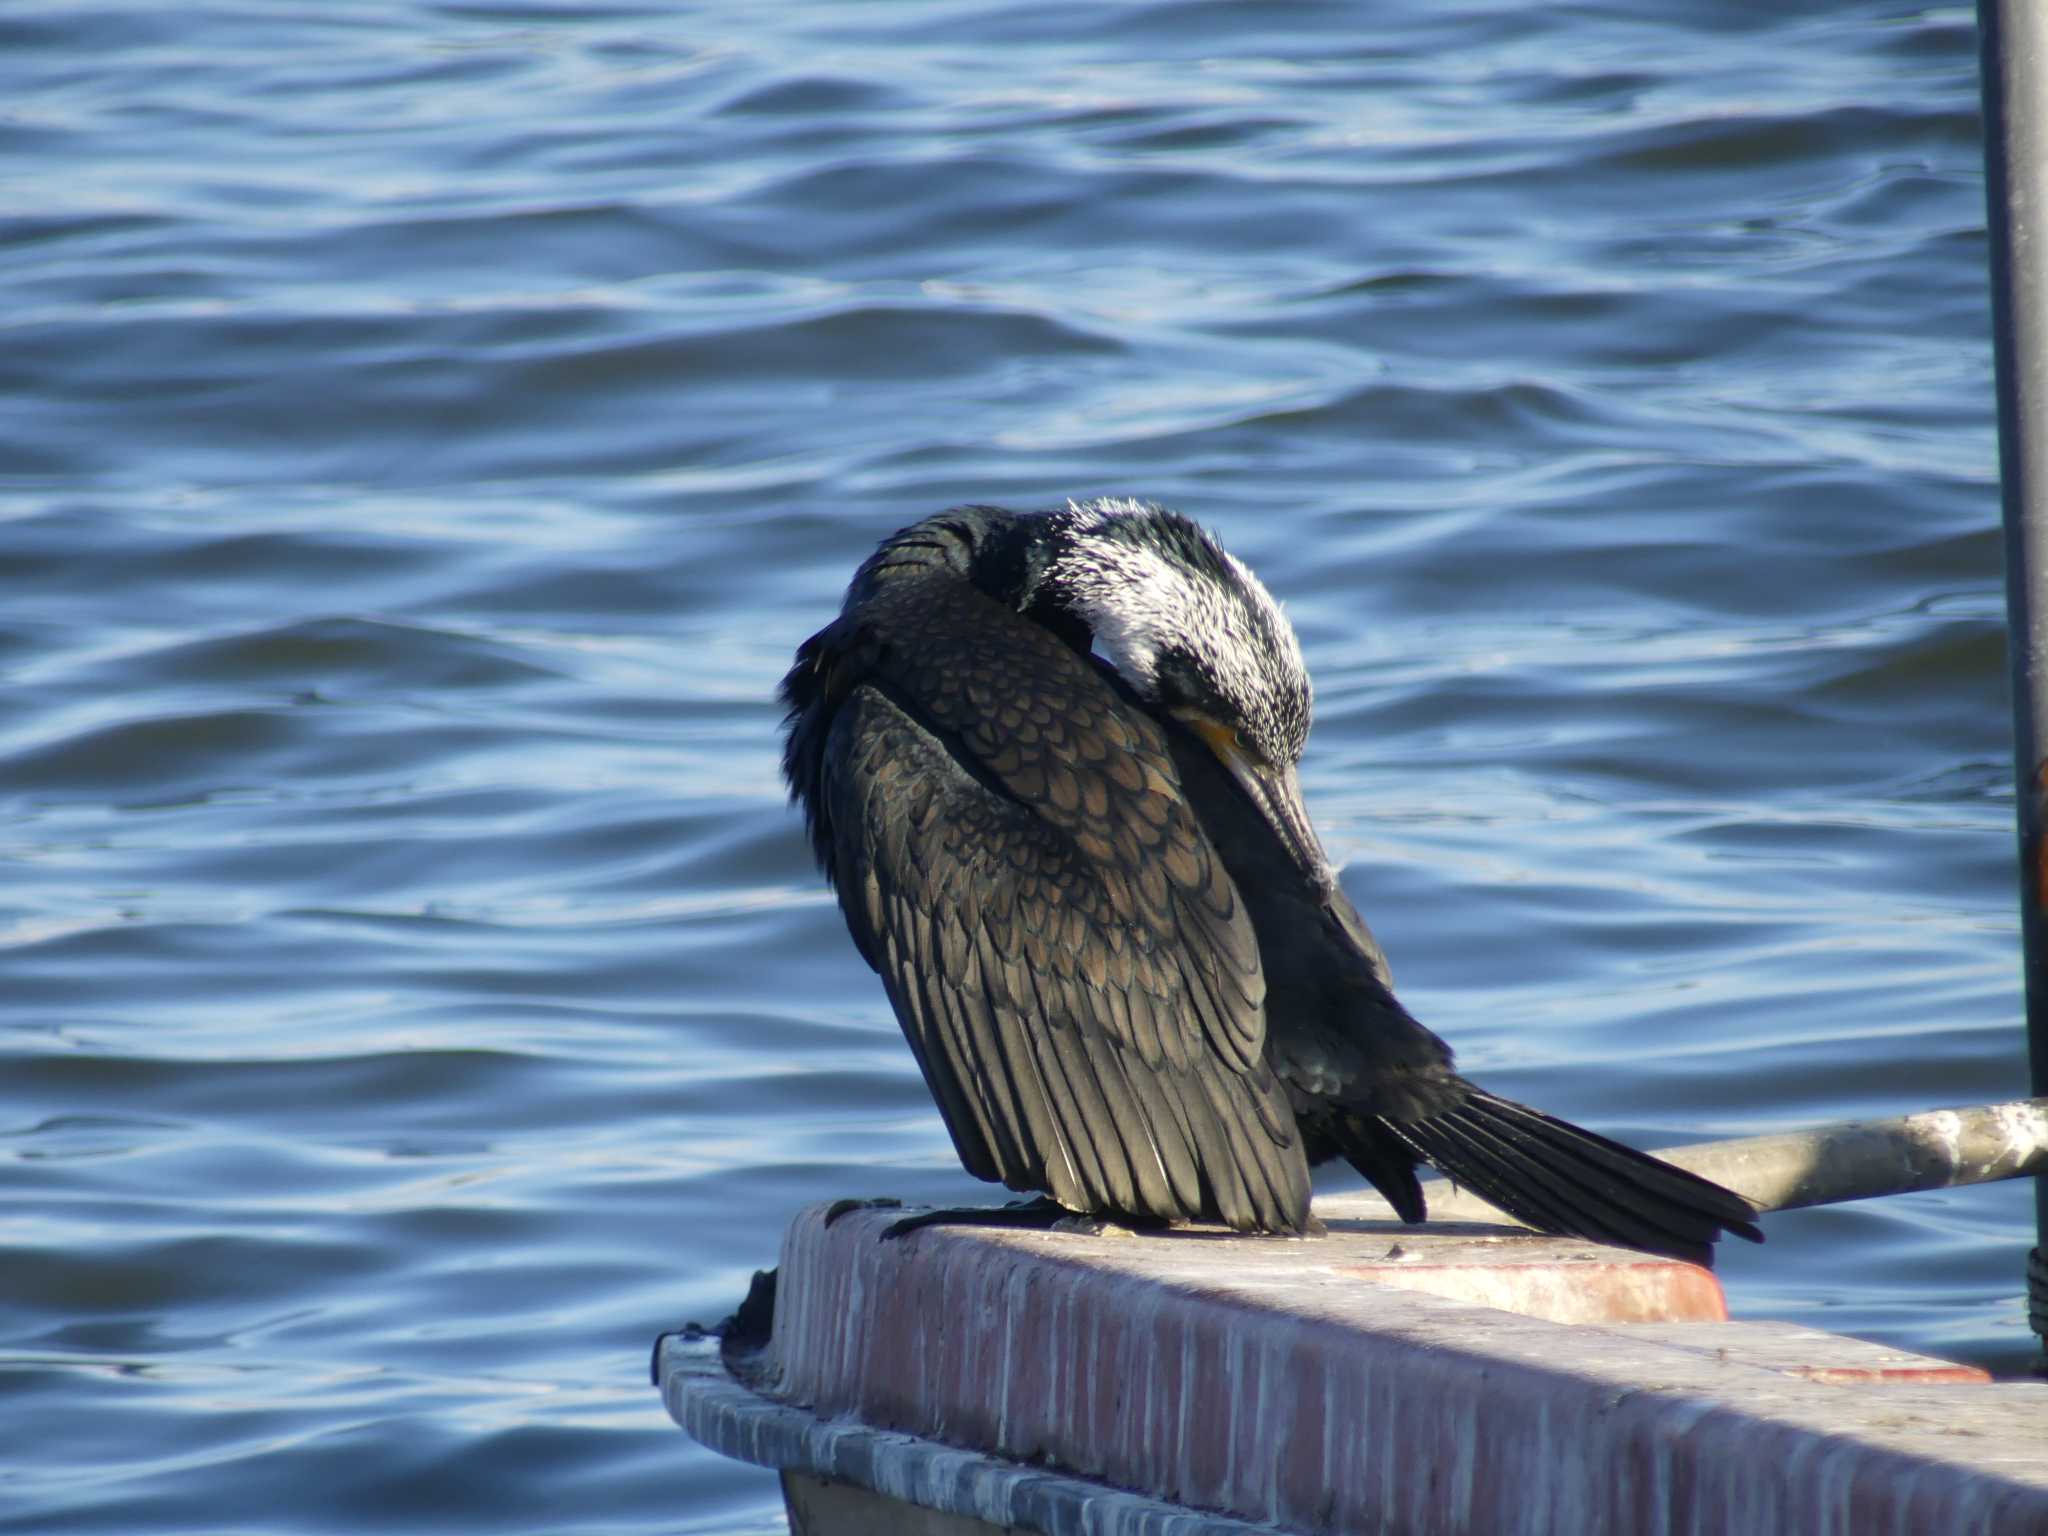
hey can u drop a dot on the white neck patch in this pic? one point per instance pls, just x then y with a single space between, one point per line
1137 599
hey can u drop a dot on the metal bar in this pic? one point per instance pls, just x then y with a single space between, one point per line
1936 1149
1859 1160
2013 37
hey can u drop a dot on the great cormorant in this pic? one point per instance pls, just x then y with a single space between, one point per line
1047 761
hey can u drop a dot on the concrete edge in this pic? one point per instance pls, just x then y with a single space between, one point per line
1265 1378
724 1416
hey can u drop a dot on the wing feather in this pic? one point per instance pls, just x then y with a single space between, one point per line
975 1133
1042 1124
1071 965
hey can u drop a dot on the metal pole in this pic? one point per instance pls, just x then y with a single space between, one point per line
2013 36
1858 1160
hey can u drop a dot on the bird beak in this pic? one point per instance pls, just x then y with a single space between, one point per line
1276 790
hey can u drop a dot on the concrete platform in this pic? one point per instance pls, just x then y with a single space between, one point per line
1446 1380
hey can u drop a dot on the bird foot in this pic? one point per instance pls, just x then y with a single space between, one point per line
1036 1215
1039 1214
839 1208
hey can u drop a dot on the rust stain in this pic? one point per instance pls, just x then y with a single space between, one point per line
1567 1289
2040 839
1932 1371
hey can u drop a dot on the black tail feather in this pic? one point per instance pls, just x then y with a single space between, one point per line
1372 1147
1511 1170
1555 1177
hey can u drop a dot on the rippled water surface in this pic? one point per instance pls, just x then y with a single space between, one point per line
427 430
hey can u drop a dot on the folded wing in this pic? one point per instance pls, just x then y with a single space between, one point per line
1071 964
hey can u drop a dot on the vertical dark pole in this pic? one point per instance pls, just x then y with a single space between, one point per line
2014 38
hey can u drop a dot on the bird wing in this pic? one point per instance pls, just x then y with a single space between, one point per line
1071 963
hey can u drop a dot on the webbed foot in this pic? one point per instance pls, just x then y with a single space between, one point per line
1039 1214
839 1208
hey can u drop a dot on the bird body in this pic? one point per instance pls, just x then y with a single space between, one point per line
1047 762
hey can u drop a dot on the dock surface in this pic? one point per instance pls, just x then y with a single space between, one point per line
1433 1381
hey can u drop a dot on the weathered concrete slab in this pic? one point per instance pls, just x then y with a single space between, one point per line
1345 1383
971 1491
1812 1355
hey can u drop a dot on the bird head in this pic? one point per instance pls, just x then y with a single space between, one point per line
1199 640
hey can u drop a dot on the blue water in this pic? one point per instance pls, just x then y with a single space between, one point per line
426 431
